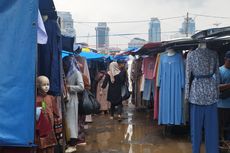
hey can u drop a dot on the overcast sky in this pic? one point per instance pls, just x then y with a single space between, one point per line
139 10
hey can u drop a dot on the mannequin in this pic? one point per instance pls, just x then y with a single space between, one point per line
171 84
46 111
201 91
170 52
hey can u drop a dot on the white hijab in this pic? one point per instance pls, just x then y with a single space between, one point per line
113 71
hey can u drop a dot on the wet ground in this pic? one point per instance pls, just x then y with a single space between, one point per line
136 133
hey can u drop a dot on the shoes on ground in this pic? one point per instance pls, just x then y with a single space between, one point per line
88 119
71 149
119 117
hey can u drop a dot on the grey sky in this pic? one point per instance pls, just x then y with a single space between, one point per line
135 10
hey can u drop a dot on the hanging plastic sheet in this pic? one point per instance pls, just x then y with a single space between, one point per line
18 42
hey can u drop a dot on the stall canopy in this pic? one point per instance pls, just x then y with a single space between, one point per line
149 48
91 55
18 43
128 51
87 53
210 33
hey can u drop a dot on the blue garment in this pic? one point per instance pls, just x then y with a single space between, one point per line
49 57
204 116
148 89
47 7
224 79
171 83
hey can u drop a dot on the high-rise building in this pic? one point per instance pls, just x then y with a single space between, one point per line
154 30
188 26
136 43
102 35
66 22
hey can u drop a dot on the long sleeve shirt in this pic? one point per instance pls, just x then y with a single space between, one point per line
202 77
148 67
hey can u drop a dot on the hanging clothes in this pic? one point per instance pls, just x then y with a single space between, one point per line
84 63
204 116
203 66
201 90
136 76
41 31
94 67
171 83
148 89
148 67
49 57
148 70
156 91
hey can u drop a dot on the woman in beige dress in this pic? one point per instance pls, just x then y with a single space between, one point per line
102 93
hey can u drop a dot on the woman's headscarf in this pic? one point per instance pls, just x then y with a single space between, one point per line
113 71
69 65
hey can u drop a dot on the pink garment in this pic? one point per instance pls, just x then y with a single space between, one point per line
156 91
148 67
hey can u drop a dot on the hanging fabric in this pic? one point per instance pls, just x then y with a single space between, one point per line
49 57
171 84
41 31
156 91
136 75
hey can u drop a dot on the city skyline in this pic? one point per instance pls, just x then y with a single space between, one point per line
102 35
188 26
154 30
135 19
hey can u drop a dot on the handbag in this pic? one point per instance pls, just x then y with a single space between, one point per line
89 104
125 94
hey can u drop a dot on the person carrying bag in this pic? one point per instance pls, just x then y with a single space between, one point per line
116 79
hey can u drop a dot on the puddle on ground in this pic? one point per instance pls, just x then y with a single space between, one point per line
137 133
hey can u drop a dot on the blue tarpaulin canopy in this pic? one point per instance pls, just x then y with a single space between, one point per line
88 55
18 42
121 58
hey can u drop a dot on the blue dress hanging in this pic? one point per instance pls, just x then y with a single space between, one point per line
171 83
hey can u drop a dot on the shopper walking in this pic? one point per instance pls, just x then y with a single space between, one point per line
115 78
74 85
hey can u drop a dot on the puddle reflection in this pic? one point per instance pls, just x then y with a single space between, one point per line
129 131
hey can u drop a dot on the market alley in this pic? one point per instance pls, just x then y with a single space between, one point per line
136 133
